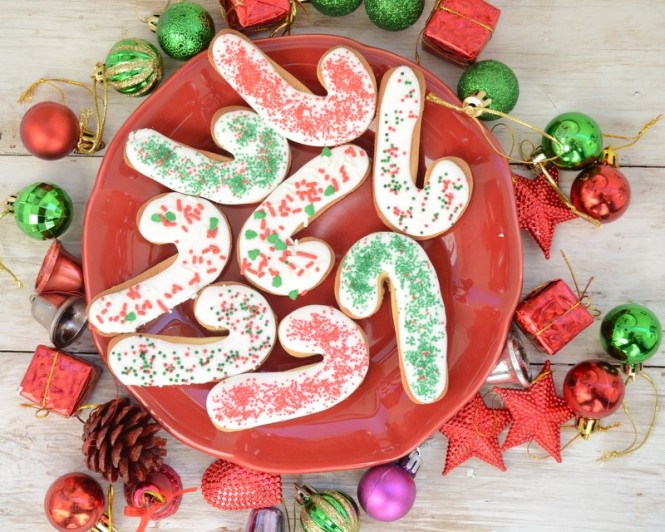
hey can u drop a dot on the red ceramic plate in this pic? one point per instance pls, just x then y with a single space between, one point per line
479 265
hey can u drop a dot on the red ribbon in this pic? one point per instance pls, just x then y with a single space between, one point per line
146 512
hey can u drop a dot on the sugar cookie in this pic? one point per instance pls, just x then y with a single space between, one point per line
155 360
261 159
419 212
342 115
418 310
267 255
255 399
202 236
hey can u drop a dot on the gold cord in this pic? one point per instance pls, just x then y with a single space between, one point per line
3 268
146 20
635 138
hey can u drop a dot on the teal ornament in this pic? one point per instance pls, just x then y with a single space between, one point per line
184 30
631 333
41 210
580 141
394 15
336 8
496 80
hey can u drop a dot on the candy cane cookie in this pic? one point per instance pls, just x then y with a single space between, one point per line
256 399
342 115
202 237
419 212
268 256
261 159
154 360
418 310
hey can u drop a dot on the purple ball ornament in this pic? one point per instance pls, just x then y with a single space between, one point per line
387 492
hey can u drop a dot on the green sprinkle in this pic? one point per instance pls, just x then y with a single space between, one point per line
249 234
277 281
130 317
253 253
170 216
325 152
156 218
259 214
329 191
310 210
293 294
214 222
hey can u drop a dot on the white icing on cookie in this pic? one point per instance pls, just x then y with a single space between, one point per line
202 236
267 255
262 158
154 360
255 399
417 304
421 213
341 116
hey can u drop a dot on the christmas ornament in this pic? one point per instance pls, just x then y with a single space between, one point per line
458 30
41 210
474 431
133 67
50 130
394 15
156 493
266 520
387 492
119 440
62 315
631 333
513 365
593 390
496 80
57 382
579 140
229 486
183 30
258 15
537 413
74 503
326 511
540 208
336 8
60 272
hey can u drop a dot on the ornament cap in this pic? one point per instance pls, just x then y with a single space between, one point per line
412 462
587 426
631 370
9 204
152 23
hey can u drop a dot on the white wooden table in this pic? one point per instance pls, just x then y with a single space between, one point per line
606 59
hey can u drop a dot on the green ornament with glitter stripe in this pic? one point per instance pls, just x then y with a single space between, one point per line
133 67
326 510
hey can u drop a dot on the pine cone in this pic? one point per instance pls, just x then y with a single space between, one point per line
119 440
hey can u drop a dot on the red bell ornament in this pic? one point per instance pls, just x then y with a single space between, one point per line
602 192
50 130
593 389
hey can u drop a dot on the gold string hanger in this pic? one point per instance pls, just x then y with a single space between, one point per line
89 141
3 268
609 154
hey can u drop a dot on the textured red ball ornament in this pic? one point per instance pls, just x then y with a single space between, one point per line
50 130
602 192
74 503
593 389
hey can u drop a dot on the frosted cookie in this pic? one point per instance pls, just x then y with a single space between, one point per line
202 237
261 159
236 309
342 115
419 212
256 399
418 311
268 256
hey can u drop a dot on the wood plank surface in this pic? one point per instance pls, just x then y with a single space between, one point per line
604 58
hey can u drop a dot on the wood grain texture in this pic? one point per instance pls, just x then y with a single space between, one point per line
604 58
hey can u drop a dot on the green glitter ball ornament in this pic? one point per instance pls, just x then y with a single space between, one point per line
336 8
631 333
394 15
498 82
326 511
42 210
580 140
133 67
184 30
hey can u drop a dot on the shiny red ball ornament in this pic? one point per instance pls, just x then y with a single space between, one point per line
50 130
593 389
74 503
602 192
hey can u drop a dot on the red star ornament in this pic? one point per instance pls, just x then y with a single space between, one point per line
537 413
474 431
539 207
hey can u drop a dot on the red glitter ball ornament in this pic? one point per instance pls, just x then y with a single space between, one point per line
50 130
538 413
229 486
602 192
593 389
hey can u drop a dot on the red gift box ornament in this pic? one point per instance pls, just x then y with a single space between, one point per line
552 315
458 30
57 382
254 16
